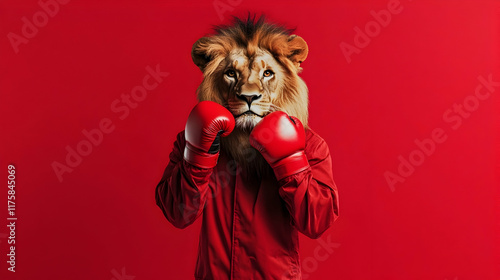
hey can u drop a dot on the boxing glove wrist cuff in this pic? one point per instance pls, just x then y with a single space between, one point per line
290 165
198 158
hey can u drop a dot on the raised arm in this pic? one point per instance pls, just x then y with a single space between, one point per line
304 172
181 193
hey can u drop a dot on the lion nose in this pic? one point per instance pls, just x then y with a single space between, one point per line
249 97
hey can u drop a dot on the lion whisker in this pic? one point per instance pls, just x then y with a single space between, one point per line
274 108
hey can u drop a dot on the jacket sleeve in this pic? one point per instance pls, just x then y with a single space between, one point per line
311 196
182 191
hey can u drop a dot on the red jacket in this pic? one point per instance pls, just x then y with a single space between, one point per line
249 230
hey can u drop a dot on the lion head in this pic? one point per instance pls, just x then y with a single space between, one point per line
251 67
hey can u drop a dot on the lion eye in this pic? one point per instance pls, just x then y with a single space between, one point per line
268 73
230 73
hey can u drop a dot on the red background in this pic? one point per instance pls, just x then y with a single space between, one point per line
442 222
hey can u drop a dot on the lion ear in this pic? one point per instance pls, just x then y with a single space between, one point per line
297 49
199 52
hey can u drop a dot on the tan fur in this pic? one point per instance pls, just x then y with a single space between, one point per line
249 48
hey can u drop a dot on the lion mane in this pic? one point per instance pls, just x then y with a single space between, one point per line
258 57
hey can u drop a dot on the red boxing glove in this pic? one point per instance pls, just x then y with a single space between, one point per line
281 140
206 123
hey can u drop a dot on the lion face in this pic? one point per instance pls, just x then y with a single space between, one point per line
251 68
252 85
